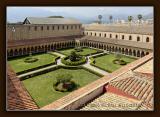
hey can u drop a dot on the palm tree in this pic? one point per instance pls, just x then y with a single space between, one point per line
139 16
110 18
100 17
130 18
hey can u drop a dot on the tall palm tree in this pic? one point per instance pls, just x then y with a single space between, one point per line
110 18
130 18
139 16
100 18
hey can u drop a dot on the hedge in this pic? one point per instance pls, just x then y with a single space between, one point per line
101 68
58 67
81 61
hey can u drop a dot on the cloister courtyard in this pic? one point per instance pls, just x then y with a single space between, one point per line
38 76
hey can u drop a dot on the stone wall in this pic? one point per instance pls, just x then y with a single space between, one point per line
21 32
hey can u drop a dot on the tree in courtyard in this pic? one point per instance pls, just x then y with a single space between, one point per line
139 16
118 56
100 18
73 56
64 82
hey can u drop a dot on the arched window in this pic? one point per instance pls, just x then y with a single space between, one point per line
122 36
100 34
41 27
91 34
58 27
147 39
138 38
105 35
47 27
110 35
35 28
130 37
95 34
52 27
67 27
116 36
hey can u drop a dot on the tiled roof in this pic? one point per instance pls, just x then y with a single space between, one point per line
111 101
17 96
136 86
44 20
143 29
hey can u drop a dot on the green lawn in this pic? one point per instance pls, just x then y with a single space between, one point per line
41 87
106 62
19 65
84 52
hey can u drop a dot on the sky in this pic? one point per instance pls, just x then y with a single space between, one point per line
19 13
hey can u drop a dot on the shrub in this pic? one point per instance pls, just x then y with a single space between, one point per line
66 61
64 83
30 60
120 62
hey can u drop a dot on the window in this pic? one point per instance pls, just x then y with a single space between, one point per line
75 26
29 28
41 27
104 35
67 27
63 27
79 26
122 36
110 35
47 27
87 33
91 34
95 34
58 27
35 28
100 34
52 27
138 38
147 39
72 28
116 36
130 37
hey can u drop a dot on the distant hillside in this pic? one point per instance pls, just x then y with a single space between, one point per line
55 17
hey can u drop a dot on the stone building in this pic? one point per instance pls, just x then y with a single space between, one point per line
37 35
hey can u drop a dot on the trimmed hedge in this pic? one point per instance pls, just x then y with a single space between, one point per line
81 61
30 60
41 72
119 62
101 68
58 67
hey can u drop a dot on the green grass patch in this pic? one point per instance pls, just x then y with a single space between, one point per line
106 62
86 51
19 64
41 87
